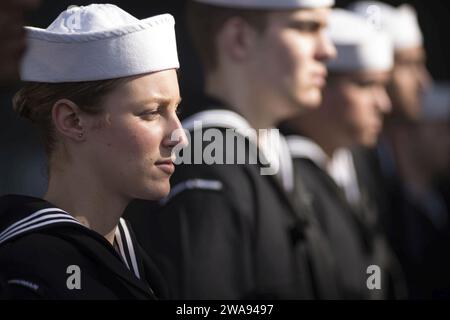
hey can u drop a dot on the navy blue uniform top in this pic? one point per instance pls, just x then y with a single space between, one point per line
40 245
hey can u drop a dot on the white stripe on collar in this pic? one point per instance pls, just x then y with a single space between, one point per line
226 119
217 118
46 217
278 155
340 167
199 184
120 245
33 221
30 217
286 165
129 247
231 120
37 226
301 147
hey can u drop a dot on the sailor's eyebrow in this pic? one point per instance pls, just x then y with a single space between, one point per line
165 101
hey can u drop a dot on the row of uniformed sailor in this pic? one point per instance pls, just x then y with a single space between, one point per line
411 162
225 231
351 115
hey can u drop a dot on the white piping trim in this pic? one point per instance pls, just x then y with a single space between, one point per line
301 147
342 170
226 119
24 283
31 217
231 120
37 226
217 118
200 184
340 167
130 248
44 217
286 165
120 244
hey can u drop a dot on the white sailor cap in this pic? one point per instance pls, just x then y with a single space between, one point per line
359 46
99 42
436 102
400 23
269 4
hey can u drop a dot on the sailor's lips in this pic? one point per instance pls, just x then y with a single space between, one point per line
318 78
166 166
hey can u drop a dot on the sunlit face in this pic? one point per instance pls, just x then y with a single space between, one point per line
12 36
289 69
356 104
410 78
130 145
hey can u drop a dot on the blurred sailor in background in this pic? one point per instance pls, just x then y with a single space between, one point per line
395 163
351 115
12 36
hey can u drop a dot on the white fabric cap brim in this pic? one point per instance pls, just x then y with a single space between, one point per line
145 47
359 46
373 55
269 4
400 23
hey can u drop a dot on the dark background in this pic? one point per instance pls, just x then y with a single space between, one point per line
22 161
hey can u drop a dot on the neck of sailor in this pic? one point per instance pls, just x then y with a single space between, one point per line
234 86
79 191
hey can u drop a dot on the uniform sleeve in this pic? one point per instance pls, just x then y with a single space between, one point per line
21 280
202 238
18 292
